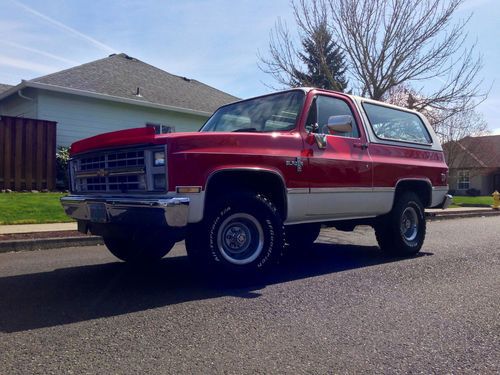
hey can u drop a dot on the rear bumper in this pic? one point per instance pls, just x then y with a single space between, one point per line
172 212
446 202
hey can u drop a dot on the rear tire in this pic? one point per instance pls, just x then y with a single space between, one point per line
241 234
402 231
139 249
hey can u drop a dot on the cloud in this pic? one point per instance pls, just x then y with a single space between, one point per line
495 131
27 65
68 29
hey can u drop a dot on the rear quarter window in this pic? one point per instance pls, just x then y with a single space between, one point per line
396 125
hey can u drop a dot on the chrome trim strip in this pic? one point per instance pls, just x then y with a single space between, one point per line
297 190
175 209
384 189
441 188
353 190
105 172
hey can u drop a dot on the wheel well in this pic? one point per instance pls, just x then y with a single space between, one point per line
267 183
420 187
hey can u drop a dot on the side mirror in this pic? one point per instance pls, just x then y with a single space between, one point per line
339 124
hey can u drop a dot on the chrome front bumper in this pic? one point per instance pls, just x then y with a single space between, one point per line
104 210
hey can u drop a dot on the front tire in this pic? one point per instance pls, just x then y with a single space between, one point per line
243 233
402 231
139 248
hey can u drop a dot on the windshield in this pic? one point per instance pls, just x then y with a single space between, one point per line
270 113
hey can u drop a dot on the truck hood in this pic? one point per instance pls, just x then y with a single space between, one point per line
178 142
122 138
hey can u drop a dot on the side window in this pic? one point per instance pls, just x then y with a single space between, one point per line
393 124
322 108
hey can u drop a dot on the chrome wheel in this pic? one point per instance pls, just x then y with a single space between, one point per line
409 224
240 238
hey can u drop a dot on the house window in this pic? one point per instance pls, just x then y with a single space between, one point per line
161 129
463 180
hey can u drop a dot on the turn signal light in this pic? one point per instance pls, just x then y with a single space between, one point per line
188 189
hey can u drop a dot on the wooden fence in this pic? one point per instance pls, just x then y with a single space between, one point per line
27 154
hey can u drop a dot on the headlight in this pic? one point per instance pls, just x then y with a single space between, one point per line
159 158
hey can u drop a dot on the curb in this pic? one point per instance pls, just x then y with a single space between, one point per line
432 216
48 243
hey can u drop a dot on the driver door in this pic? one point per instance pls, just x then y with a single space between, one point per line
340 172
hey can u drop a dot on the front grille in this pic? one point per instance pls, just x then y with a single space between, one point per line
120 171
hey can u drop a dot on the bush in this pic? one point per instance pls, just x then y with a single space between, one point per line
62 158
472 192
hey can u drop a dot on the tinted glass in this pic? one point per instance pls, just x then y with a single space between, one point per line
392 124
271 113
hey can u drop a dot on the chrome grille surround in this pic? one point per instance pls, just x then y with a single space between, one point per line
115 171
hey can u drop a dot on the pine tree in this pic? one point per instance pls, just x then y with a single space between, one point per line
324 61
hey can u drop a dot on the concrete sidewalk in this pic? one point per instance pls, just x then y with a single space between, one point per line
37 228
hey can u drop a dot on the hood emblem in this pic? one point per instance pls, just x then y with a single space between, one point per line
102 173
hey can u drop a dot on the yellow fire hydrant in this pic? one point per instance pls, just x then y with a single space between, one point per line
496 200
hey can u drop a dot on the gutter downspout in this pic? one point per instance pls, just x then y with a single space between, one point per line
20 93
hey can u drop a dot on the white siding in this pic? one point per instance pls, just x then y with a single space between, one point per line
16 106
80 117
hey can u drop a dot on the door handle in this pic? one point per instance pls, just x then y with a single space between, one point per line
362 146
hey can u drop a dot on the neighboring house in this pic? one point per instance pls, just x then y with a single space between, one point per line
113 93
474 164
4 87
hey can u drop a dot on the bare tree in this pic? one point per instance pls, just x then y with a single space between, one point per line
453 132
389 43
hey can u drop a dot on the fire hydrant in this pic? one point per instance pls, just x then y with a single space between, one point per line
496 200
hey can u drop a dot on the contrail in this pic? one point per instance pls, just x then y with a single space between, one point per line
26 65
96 43
52 56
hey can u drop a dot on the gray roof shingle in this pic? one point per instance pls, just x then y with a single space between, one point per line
4 87
120 75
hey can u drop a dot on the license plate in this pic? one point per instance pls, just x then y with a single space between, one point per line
98 213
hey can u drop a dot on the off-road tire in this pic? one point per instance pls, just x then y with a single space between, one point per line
402 231
242 233
139 249
302 236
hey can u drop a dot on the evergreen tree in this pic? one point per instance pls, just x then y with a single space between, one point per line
324 61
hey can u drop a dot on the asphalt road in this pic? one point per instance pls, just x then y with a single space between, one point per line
345 308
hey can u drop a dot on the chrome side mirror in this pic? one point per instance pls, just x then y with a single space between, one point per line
339 124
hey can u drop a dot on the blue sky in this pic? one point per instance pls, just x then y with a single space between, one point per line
213 41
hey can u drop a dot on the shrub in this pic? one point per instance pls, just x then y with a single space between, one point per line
62 158
472 192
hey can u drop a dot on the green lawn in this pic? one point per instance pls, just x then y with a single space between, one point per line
31 208
486 200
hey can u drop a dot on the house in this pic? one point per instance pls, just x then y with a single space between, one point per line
109 94
474 164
